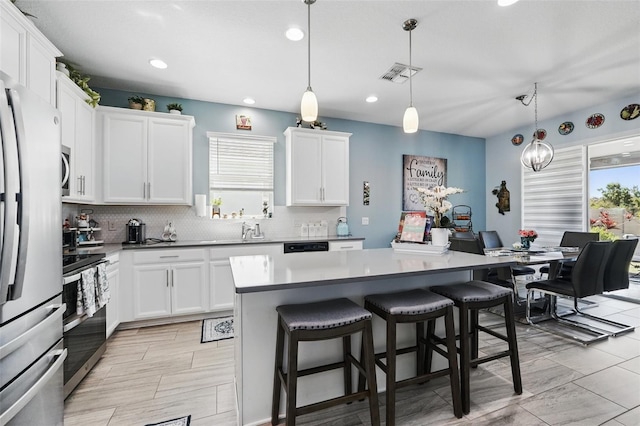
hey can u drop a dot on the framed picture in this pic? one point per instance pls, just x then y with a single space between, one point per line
243 122
420 172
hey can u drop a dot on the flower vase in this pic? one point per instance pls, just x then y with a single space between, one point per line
439 236
525 242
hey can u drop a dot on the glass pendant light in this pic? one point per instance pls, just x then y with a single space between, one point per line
410 120
309 103
537 155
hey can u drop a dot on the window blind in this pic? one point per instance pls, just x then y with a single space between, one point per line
555 199
240 163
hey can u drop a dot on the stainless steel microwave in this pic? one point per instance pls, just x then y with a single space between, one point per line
66 169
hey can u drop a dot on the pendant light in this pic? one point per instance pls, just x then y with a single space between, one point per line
537 155
309 103
410 120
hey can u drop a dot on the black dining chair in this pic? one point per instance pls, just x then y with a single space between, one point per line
571 239
463 234
587 279
491 240
616 273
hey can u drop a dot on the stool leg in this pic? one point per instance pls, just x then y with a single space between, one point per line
510 323
346 351
473 329
420 354
391 371
369 357
277 384
362 379
453 361
465 358
292 379
428 357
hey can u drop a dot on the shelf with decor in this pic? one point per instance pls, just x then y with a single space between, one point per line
461 218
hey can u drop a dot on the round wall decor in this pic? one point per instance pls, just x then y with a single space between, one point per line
595 121
630 112
565 128
517 139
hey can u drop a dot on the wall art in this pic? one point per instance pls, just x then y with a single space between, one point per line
420 172
630 112
504 197
243 122
565 128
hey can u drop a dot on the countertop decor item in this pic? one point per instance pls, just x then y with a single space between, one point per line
565 128
630 112
435 200
527 236
594 121
149 104
537 155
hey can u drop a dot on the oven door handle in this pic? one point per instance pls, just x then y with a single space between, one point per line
56 315
75 277
75 322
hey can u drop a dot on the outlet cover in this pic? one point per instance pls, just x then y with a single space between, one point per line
365 220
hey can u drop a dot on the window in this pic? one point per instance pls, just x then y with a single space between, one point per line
241 173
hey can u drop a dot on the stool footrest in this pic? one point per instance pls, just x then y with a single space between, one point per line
492 332
319 369
482 360
306 409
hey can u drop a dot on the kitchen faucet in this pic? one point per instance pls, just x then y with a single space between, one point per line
254 231
246 229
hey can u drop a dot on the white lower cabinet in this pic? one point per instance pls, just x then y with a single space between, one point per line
113 276
169 282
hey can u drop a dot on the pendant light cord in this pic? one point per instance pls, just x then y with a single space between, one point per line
410 72
535 107
309 45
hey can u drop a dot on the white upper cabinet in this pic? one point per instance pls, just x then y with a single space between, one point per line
147 156
77 134
317 167
26 54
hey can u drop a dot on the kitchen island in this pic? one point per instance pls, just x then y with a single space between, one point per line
264 282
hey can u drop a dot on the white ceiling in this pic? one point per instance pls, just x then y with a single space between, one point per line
476 56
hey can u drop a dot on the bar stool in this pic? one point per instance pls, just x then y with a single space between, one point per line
323 320
417 307
469 298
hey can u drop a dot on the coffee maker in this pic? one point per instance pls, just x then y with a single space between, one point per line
136 232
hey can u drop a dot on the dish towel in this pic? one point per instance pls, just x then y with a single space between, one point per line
103 295
86 303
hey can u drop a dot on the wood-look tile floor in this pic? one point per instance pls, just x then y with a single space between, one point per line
158 373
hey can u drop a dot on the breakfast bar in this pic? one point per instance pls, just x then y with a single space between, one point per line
264 282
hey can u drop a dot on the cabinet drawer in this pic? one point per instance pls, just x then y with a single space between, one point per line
244 250
168 256
345 245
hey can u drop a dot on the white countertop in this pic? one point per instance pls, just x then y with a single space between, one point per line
297 270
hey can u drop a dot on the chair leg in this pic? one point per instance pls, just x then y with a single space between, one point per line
391 372
368 355
473 329
277 384
292 379
510 324
454 377
428 357
465 358
346 351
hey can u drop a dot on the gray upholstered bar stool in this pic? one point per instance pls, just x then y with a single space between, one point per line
469 297
323 320
416 307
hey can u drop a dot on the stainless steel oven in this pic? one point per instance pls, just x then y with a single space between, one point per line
85 338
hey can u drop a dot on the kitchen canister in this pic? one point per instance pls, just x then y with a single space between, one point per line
342 228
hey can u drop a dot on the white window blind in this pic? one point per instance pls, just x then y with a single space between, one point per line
555 199
240 163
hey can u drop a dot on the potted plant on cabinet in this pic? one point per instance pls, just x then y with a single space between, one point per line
175 108
135 102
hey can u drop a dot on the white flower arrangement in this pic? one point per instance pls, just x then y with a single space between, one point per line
435 200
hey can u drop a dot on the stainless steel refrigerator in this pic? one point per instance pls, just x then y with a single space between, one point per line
31 308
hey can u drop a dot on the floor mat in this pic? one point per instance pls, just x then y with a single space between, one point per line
217 329
182 421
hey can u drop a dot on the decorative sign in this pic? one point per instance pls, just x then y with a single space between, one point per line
420 172
243 122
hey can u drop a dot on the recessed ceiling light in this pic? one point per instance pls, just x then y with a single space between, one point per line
294 34
158 63
371 99
249 101
506 2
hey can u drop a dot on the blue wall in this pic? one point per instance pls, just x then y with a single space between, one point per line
375 156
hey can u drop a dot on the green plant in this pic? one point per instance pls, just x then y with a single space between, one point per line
216 201
23 12
136 99
175 106
82 81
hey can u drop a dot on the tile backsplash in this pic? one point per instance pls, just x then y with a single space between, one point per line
286 221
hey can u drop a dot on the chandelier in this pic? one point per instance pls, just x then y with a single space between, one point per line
537 155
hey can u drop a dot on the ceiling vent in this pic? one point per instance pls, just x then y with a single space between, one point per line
399 73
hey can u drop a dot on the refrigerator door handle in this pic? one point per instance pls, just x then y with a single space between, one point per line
11 412
11 189
19 341
23 197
